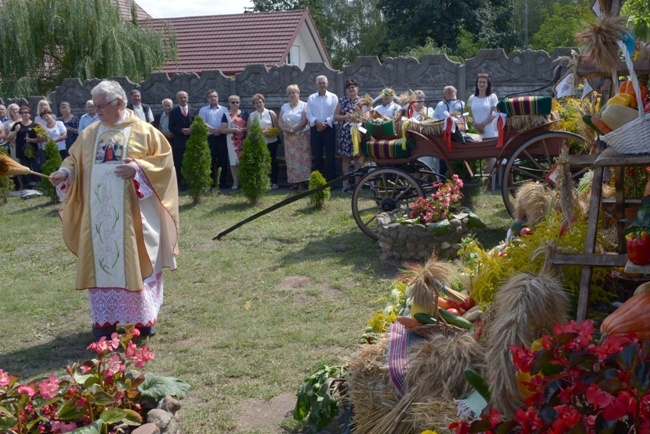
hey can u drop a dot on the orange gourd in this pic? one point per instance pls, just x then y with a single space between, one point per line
632 316
627 87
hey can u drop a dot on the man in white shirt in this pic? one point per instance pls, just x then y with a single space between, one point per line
388 107
89 117
212 114
143 111
161 121
320 113
449 106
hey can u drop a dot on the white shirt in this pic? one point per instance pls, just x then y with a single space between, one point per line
54 133
387 110
139 112
321 108
444 109
212 115
164 122
86 120
482 108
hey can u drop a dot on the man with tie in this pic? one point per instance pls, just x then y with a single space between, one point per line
212 114
180 119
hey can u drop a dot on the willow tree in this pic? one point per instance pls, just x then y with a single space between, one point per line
43 42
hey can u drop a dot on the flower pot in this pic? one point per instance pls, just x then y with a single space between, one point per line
413 242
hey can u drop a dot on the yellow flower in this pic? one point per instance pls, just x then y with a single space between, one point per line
428 431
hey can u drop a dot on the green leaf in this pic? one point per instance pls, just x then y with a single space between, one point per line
103 398
4 411
156 387
93 428
113 415
641 377
68 411
611 385
441 227
475 221
627 357
132 417
7 423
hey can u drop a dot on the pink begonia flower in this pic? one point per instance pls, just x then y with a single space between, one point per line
49 389
26 390
85 368
4 378
62 427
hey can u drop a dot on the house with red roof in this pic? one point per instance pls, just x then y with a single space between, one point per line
231 42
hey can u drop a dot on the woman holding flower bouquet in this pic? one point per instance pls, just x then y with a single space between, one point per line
268 122
348 112
297 150
25 135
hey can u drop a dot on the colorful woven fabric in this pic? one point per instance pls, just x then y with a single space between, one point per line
385 149
399 340
380 129
525 105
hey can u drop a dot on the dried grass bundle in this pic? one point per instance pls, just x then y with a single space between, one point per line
572 65
366 101
9 167
427 127
525 122
429 279
642 50
525 307
436 367
532 202
406 98
598 42
435 371
565 186
435 413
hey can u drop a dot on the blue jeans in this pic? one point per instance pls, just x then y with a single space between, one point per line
324 142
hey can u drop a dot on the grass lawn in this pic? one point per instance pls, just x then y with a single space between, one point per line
245 317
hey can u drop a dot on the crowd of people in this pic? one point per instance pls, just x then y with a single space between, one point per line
308 129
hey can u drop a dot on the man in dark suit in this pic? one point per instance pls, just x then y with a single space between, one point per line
180 119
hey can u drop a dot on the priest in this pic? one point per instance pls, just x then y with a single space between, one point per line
120 213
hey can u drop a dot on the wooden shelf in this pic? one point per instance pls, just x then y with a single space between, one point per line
610 157
589 71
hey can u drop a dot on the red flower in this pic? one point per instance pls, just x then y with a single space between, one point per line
460 427
597 397
617 409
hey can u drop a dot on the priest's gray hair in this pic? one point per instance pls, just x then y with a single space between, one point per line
111 89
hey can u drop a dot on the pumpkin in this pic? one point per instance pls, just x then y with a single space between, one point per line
628 87
644 287
632 316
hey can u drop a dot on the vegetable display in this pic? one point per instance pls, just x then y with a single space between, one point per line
631 317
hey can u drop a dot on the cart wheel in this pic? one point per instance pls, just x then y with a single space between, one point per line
381 190
533 161
424 174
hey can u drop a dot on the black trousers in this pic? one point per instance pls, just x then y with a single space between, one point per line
178 151
219 152
324 142
273 150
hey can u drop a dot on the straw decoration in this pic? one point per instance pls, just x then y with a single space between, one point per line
366 100
599 42
9 168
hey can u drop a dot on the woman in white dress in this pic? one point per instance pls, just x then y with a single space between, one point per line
483 105
267 119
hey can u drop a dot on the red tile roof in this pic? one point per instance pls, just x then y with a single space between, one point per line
125 10
231 42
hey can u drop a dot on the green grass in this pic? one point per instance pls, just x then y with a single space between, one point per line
226 327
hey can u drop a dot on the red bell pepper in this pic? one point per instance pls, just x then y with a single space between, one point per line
646 105
638 249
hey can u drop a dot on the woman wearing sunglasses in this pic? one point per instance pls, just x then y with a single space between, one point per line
23 134
233 124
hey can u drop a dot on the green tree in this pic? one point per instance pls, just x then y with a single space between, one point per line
254 163
637 11
412 23
197 159
44 41
52 163
560 25
317 200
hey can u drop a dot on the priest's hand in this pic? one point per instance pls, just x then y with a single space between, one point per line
125 171
58 177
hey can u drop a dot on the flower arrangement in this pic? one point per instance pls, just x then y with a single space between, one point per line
575 384
271 132
444 201
99 394
30 148
635 179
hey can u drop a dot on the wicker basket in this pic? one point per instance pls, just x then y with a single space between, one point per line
634 136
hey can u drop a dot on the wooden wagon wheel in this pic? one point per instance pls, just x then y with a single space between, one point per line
534 159
383 190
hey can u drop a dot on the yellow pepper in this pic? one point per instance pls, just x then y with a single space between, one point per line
624 99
